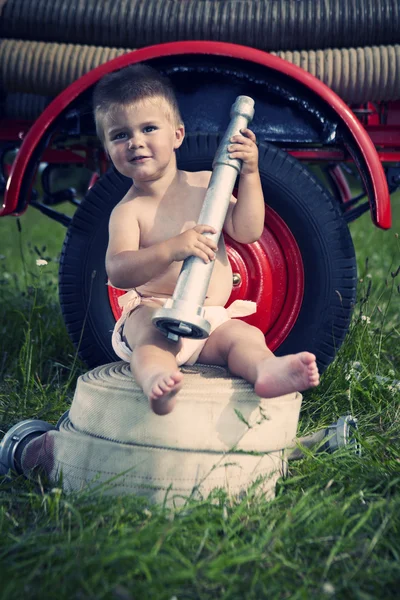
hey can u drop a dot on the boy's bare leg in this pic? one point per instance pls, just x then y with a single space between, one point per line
153 362
242 349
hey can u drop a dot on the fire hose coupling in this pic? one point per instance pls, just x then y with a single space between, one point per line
183 314
342 433
15 441
330 439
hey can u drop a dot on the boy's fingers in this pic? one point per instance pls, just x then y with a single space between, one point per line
240 139
209 248
243 143
241 155
203 256
205 229
244 135
240 148
249 133
209 252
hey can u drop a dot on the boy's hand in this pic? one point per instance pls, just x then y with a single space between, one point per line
243 146
193 243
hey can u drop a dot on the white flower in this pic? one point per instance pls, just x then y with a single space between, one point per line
363 318
41 262
328 588
224 513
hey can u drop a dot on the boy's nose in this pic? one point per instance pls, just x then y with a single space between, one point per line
134 142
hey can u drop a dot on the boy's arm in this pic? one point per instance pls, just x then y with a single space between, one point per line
245 217
126 265
129 266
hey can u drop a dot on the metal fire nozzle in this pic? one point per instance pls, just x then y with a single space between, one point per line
183 314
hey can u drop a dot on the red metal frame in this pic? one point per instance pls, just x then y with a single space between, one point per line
41 127
340 182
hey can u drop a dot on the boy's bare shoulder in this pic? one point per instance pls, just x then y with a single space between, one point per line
125 205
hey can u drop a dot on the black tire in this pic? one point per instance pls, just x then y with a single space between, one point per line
308 210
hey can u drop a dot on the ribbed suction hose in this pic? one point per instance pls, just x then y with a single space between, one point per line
356 74
264 24
47 69
25 106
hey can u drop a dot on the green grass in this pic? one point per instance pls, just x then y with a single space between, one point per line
333 530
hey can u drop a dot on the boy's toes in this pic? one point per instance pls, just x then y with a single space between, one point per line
156 392
176 377
165 384
307 358
162 392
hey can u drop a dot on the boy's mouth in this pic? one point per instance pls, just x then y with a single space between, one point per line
138 158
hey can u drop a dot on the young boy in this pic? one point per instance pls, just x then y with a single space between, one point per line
153 229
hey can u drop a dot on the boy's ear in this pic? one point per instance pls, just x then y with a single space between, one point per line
106 152
179 136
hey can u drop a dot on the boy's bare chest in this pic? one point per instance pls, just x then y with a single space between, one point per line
159 222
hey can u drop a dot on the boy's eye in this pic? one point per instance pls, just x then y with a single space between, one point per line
149 128
119 136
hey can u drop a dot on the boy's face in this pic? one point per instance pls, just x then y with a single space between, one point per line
141 139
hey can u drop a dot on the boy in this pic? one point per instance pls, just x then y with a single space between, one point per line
153 229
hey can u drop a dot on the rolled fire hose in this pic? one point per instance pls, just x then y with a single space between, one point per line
183 313
221 434
356 74
264 24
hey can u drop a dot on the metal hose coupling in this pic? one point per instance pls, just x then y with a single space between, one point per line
332 438
183 313
15 441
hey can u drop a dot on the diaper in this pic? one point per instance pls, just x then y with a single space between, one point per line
191 348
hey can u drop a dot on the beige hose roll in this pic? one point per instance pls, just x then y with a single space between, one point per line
215 412
77 462
220 435
357 75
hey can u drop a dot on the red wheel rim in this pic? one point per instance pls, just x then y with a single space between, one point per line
268 272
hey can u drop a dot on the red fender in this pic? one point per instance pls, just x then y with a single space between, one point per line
379 197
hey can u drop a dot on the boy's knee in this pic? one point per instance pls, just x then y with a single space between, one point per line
238 329
245 336
235 332
155 339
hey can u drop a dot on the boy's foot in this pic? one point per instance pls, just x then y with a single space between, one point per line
277 376
161 390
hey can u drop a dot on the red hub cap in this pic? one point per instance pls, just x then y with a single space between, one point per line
268 272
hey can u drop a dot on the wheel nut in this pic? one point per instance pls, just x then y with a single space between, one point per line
237 280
